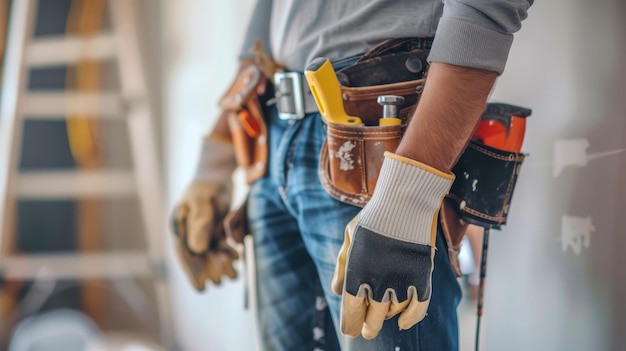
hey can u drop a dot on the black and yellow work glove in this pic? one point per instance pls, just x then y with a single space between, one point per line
385 265
198 218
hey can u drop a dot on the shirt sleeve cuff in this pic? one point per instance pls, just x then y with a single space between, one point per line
467 44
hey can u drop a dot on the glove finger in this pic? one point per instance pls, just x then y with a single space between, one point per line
340 267
197 281
179 220
214 268
376 315
198 284
227 265
225 247
199 223
415 311
193 270
396 307
353 311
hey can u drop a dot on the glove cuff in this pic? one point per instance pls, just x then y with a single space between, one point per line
217 161
407 199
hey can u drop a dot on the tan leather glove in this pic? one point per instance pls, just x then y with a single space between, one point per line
198 219
454 229
385 265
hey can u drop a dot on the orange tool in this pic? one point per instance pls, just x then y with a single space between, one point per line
503 126
249 123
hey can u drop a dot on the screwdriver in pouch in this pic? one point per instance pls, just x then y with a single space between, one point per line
503 126
390 105
326 89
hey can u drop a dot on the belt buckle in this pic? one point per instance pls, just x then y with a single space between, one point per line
289 95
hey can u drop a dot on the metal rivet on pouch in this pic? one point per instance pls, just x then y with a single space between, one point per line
345 97
343 79
462 205
413 65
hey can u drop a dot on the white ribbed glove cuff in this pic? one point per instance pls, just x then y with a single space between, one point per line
407 199
217 161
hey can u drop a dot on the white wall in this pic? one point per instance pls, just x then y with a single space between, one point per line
201 41
543 293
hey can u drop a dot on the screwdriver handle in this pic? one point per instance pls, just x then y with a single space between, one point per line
390 105
322 80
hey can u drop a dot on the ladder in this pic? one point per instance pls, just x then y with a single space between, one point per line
143 180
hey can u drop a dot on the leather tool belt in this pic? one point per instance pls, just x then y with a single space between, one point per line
243 106
351 156
293 96
375 71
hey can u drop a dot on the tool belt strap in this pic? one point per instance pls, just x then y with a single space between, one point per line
380 69
293 98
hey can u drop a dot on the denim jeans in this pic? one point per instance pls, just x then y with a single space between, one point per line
298 230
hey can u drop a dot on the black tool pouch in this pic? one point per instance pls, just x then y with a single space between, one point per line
485 180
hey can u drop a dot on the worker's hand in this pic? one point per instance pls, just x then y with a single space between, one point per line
198 218
215 261
202 208
386 261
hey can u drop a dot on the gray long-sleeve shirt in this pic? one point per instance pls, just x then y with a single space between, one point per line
472 33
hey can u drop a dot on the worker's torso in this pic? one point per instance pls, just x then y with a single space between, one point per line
302 30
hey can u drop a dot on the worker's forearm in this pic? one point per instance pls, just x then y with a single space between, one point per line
453 100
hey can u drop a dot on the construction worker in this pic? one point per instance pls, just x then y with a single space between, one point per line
382 270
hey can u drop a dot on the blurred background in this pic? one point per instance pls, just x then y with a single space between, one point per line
103 105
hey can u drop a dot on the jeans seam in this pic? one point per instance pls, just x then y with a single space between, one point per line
289 143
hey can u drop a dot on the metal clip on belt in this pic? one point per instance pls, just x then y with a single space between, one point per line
293 96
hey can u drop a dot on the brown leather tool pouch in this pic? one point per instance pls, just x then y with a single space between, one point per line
351 156
243 107
481 193
361 101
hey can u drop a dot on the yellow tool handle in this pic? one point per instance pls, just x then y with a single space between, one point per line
389 121
326 90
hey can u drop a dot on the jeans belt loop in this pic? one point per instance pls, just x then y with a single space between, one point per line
293 96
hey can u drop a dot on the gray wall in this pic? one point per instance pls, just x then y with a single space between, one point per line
555 281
